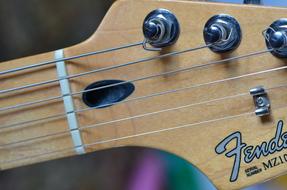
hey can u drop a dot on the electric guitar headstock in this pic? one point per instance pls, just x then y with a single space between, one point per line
204 81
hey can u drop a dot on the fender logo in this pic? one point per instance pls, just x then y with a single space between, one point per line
276 144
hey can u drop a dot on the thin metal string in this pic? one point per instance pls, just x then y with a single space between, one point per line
103 69
180 70
134 117
130 81
118 120
68 149
69 58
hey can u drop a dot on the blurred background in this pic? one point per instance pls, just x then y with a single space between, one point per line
30 27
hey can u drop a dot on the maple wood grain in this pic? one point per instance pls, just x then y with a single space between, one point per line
204 115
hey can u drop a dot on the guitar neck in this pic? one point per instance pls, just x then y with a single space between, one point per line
185 99
28 120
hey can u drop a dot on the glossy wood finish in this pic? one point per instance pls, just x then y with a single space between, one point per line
189 123
14 116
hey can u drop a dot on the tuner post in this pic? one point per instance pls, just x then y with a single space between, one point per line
276 38
160 28
223 33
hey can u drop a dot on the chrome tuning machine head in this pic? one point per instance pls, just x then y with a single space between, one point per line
222 33
276 38
160 29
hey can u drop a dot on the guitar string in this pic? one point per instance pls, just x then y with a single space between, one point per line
176 71
150 96
129 81
69 58
58 116
113 121
70 149
88 145
103 69
24 141
117 66
144 97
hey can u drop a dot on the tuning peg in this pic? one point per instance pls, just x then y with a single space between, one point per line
256 2
160 29
276 38
222 32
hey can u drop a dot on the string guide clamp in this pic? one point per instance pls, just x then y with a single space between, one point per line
261 101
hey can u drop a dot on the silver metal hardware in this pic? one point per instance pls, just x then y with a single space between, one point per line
261 101
145 46
222 32
160 29
276 38
265 34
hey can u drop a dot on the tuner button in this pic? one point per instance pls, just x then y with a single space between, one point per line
213 34
223 33
277 40
161 28
151 30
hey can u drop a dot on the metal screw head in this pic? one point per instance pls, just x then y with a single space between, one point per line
261 101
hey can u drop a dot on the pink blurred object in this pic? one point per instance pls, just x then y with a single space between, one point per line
148 174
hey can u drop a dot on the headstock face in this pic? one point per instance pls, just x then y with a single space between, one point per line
216 111
208 115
